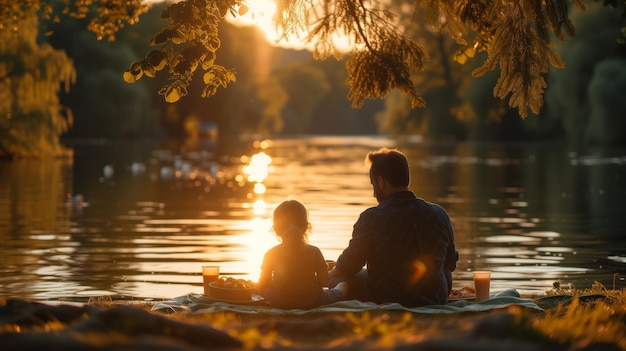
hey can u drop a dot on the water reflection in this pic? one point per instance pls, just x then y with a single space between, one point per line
532 214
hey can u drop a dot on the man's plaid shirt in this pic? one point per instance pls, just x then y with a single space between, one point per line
408 246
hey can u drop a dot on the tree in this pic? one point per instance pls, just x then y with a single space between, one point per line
442 82
306 85
255 103
334 113
103 105
31 117
32 74
516 36
586 100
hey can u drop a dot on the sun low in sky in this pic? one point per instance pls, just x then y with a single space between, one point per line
261 14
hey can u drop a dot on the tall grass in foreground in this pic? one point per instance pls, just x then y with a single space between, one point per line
578 324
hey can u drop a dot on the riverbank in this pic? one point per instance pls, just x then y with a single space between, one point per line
592 319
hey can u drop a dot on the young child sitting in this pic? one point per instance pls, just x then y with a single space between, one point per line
294 273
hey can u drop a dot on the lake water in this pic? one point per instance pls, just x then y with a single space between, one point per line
152 213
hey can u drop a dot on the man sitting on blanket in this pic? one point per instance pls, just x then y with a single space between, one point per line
407 243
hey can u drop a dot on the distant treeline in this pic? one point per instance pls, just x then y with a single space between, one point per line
287 91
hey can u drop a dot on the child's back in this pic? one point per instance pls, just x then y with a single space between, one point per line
295 282
294 273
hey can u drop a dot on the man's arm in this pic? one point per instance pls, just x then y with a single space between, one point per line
354 257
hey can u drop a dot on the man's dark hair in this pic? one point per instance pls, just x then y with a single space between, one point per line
392 165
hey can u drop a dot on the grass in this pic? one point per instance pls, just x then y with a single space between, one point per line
577 323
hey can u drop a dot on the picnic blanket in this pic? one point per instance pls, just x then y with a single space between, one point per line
197 303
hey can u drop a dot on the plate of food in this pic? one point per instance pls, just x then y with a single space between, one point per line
232 290
465 293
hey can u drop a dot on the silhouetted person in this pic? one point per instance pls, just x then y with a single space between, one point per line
294 273
406 243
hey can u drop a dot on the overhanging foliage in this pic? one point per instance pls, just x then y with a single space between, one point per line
516 35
